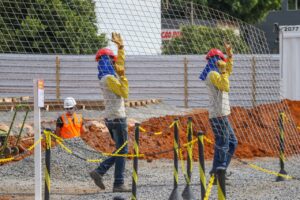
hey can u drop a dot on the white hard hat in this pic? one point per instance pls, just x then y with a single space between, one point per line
69 102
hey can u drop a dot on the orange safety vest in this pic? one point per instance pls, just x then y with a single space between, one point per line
71 129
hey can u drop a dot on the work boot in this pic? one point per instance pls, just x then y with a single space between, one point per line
98 179
121 188
228 174
215 180
226 182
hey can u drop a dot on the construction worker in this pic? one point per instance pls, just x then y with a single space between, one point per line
69 124
114 86
216 76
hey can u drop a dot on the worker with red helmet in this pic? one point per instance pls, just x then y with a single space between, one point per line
70 124
114 86
216 77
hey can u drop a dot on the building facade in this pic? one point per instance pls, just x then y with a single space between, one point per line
288 15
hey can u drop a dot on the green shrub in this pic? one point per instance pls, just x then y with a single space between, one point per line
200 39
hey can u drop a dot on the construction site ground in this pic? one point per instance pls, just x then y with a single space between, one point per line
70 179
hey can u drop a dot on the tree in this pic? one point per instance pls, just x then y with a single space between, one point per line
251 11
199 39
56 26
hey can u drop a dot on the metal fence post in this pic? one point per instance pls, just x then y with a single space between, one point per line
48 162
201 164
221 184
187 193
281 147
174 195
135 161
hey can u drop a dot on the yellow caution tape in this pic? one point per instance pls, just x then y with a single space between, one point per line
189 143
48 138
47 179
208 140
123 145
172 125
133 197
123 155
269 171
182 166
259 168
202 176
56 137
221 194
284 117
136 148
64 147
175 173
281 156
135 176
142 129
29 149
94 160
60 140
36 143
209 187
175 122
6 159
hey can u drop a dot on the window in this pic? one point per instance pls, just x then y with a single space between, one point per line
293 4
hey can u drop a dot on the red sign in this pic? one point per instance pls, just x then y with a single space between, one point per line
167 34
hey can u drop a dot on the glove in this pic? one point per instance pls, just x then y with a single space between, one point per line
222 66
120 70
227 66
228 49
119 65
117 39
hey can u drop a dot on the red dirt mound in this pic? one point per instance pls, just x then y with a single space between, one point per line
256 129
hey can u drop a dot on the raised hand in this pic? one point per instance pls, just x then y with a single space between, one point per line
117 39
228 49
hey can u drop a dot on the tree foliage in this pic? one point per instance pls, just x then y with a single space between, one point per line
200 39
251 11
42 26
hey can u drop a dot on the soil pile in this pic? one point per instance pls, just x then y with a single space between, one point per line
256 129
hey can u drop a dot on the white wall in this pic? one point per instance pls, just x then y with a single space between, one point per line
139 22
290 61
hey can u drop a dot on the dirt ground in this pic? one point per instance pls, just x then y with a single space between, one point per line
248 125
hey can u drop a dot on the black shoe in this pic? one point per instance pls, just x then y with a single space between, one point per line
226 178
215 181
121 188
98 179
211 172
228 174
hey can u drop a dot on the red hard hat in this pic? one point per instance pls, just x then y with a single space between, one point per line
107 52
215 52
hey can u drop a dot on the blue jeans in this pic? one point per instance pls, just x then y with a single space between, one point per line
119 133
225 142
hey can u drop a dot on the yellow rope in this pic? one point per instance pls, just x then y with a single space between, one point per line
6 159
260 168
36 143
209 187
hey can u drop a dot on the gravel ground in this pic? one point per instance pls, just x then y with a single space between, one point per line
70 179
